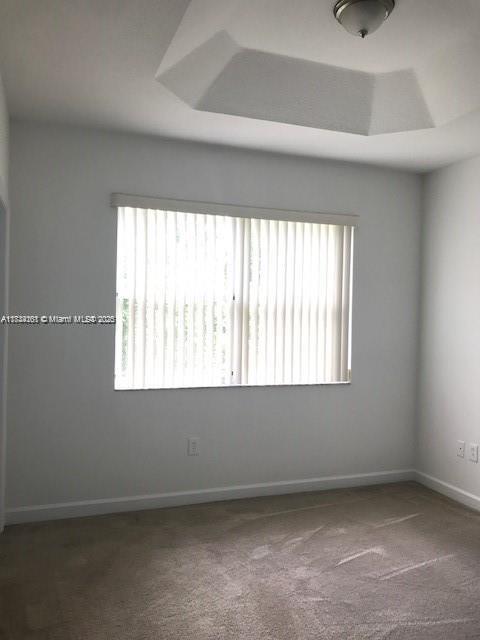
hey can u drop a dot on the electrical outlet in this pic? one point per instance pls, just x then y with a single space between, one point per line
473 452
461 448
193 447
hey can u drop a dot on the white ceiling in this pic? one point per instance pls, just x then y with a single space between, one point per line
108 63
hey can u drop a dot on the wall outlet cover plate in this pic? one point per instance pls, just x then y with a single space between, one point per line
193 447
473 452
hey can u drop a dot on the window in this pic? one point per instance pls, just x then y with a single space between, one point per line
208 300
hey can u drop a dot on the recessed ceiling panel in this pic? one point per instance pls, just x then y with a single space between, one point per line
388 84
192 77
398 104
222 77
266 86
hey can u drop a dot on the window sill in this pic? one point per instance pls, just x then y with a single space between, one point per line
240 386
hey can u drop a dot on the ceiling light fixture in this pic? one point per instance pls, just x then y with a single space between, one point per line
362 17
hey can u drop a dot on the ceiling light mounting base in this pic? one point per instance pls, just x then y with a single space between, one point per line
362 17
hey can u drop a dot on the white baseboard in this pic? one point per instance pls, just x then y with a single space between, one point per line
157 501
449 490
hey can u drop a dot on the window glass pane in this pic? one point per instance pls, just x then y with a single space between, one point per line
210 300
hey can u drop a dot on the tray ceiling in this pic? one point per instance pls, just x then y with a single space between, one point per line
234 69
274 75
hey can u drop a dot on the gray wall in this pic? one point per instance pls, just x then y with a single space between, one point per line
3 305
449 403
4 126
3 146
71 437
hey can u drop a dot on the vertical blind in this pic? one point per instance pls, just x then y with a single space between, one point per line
215 300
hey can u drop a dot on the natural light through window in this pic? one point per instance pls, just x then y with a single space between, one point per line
209 300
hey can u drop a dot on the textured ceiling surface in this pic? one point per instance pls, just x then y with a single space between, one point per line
221 77
275 75
234 69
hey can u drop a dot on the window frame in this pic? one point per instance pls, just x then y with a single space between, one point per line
119 200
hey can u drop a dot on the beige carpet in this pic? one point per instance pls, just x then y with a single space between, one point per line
393 562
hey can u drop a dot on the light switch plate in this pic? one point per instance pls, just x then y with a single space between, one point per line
461 448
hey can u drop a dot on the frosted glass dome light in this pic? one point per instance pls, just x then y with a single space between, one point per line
362 17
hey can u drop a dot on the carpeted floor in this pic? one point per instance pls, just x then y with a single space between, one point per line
392 562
